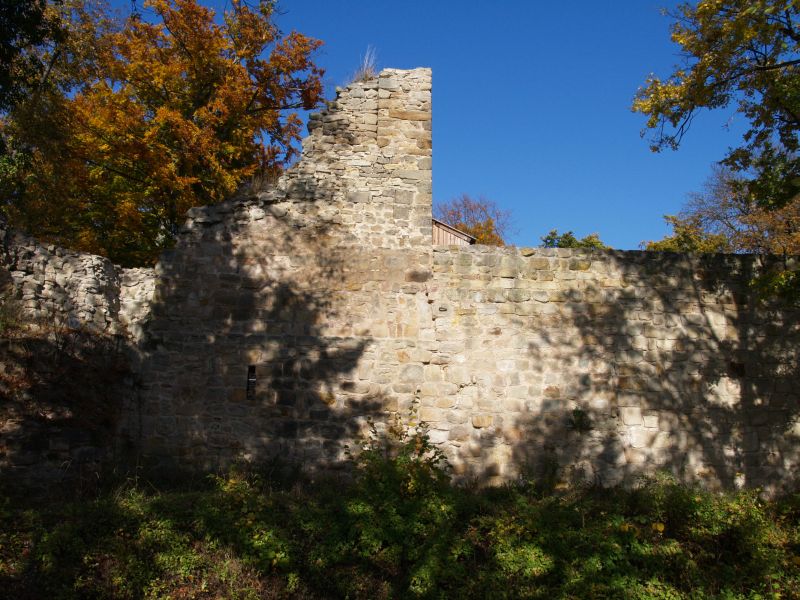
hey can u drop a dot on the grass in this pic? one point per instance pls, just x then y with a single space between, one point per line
400 530
367 67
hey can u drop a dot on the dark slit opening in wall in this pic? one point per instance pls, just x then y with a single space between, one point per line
251 382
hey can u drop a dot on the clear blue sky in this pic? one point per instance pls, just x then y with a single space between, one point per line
531 104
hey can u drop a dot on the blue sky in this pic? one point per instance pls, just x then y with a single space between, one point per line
531 104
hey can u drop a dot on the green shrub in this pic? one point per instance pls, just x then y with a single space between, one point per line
403 511
399 529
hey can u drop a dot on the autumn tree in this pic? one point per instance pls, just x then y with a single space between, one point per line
743 53
23 24
481 218
728 206
568 240
688 235
150 117
726 217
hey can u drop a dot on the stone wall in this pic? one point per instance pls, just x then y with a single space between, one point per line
64 360
611 365
288 319
300 288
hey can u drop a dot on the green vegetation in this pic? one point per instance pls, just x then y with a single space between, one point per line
745 55
688 235
568 240
742 54
399 529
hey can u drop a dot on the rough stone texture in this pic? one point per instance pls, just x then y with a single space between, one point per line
673 362
317 283
63 377
287 318
62 288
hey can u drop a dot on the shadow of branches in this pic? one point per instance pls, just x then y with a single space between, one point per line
661 362
242 359
59 405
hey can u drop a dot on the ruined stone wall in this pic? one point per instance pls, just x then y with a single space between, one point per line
301 289
611 365
290 317
59 287
67 320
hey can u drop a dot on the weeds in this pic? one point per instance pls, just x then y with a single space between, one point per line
367 68
400 529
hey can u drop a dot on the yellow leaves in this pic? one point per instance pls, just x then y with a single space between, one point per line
172 114
729 49
629 528
688 235
657 527
250 31
129 214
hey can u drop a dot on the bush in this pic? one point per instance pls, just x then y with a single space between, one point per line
400 529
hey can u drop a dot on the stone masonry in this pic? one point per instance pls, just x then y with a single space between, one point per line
288 319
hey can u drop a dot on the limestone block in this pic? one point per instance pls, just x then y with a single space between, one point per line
438 436
481 421
642 438
418 275
459 375
433 373
459 433
429 414
552 391
631 415
411 374
518 295
650 420
410 115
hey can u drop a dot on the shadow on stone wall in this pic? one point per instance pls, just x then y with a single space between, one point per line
60 391
715 403
238 362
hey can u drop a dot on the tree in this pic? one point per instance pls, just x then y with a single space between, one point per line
481 218
568 240
745 53
689 236
23 23
726 217
722 207
145 120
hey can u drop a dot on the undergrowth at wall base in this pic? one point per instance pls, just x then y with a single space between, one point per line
399 529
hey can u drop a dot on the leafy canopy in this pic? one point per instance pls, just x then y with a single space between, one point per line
568 240
744 53
726 217
22 23
481 218
145 120
688 235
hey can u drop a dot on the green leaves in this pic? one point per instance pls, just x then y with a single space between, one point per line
568 240
735 52
243 537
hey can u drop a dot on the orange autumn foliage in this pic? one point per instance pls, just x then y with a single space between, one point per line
772 231
481 218
172 112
